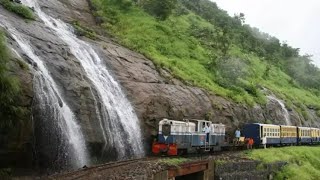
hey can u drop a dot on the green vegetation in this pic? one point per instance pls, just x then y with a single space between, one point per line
5 173
9 89
174 161
203 46
303 162
19 9
84 31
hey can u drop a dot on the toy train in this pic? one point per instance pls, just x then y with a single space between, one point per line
189 136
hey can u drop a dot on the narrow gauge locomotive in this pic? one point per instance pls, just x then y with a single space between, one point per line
188 136
281 134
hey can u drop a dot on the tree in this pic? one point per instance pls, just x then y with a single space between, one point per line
161 9
240 17
230 70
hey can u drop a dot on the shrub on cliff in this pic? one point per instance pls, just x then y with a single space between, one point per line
18 9
160 9
9 88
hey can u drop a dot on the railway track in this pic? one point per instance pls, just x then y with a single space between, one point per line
80 173
87 171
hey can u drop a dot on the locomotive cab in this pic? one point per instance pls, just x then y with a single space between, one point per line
164 135
171 134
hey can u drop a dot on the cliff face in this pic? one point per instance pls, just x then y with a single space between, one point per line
154 92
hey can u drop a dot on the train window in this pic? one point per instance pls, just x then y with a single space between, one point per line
166 128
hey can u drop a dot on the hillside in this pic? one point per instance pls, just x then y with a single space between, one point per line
203 46
303 162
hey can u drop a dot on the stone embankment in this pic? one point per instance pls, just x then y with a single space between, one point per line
227 166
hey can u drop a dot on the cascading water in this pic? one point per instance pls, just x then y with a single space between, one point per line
117 117
283 108
60 135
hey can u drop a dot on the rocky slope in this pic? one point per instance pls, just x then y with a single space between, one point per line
154 93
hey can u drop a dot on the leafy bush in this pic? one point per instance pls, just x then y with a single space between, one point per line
19 9
84 31
160 9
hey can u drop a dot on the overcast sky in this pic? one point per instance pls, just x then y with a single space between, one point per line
294 21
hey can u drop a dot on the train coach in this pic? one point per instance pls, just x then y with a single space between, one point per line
270 134
188 136
315 135
288 135
258 132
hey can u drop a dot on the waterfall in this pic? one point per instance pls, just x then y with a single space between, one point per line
283 108
117 117
59 130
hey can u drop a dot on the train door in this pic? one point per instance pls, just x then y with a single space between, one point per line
262 137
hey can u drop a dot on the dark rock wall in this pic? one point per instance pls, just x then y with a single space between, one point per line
250 170
16 141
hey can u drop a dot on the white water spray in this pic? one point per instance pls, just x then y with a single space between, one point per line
51 102
283 108
118 118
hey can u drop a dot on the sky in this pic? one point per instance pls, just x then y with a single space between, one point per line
295 21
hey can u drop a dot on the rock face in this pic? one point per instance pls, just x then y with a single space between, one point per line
154 93
16 141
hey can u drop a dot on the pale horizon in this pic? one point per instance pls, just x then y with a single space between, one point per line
293 21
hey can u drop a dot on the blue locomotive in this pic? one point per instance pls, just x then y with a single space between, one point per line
188 136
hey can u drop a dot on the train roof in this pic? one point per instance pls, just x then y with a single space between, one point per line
288 126
307 127
165 121
260 124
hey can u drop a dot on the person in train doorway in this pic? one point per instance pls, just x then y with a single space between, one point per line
206 130
264 142
237 135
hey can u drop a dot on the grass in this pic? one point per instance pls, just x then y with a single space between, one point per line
174 161
84 31
19 9
171 45
303 161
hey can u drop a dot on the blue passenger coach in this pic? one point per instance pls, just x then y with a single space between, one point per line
257 131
